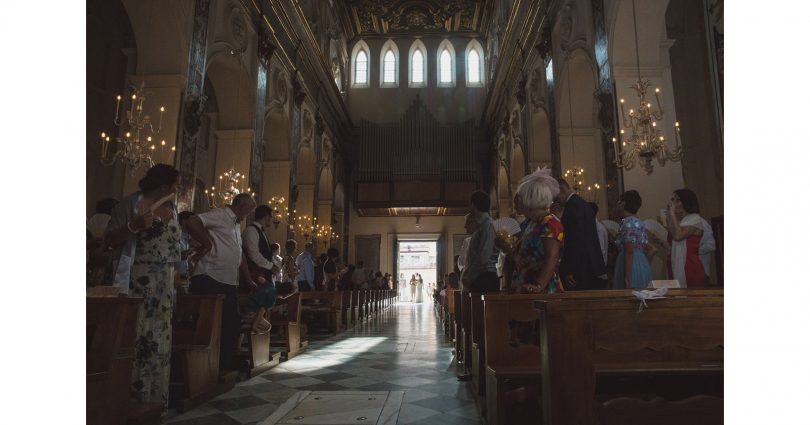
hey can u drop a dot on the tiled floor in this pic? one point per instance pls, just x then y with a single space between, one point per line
403 349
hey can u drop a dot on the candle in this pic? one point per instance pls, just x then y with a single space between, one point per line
658 99
117 106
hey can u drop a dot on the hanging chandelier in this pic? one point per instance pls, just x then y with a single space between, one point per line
281 213
325 234
646 142
306 226
135 148
231 183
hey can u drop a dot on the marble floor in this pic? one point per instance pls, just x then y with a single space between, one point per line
401 350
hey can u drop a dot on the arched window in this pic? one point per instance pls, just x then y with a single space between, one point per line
447 66
417 72
475 64
360 61
361 68
418 67
389 64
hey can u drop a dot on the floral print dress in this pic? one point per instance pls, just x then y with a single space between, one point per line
156 253
632 230
531 253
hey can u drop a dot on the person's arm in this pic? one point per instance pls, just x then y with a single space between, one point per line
196 229
628 263
552 254
117 234
677 231
250 241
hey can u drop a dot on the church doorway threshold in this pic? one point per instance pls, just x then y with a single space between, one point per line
416 260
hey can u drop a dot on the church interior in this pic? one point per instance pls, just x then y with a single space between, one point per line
348 160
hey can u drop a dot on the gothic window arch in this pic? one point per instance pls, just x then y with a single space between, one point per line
417 68
474 63
389 65
446 59
361 70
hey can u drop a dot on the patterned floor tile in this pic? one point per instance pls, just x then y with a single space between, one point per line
218 419
442 403
237 403
412 413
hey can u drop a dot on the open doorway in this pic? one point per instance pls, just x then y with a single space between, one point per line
415 259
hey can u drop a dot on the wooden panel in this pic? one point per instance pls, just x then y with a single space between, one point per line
459 191
417 191
373 192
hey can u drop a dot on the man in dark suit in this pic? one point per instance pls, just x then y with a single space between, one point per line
582 266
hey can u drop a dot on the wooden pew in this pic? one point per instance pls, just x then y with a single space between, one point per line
346 311
450 301
286 334
512 348
478 368
254 355
356 309
458 340
672 349
330 307
364 309
111 328
466 331
196 332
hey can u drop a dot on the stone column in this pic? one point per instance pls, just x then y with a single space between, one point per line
544 48
192 106
606 101
295 139
265 53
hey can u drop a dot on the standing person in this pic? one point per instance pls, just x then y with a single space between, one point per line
345 282
290 269
632 270
582 266
482 256
319 279
707 246
358 276
470 226
219 261
330 271
420 287
306 267
185 246
256 245
539 250
146 241
99 255
413 284
685 231
601 231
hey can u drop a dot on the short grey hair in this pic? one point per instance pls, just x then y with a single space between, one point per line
535 193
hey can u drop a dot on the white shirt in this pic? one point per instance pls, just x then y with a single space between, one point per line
222 262
250 241
462 255
306 267
602 233
359 277
707 246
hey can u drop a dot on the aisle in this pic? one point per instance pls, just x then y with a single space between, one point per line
403 349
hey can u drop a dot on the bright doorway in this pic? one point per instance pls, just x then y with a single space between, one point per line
416 258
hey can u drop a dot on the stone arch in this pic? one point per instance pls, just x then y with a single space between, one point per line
517 167
578 126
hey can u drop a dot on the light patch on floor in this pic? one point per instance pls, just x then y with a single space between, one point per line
339 408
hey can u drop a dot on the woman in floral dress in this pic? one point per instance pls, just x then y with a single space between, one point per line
539 250
148 241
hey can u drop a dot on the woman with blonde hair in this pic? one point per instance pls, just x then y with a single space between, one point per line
539 250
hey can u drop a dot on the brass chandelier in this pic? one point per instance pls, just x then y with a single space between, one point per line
646 142
135 148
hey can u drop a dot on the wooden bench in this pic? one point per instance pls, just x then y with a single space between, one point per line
111 329
254 355
356 310
458 340
450 313
512 348
603 361
196 333
346 309
478 367
286 333
329 307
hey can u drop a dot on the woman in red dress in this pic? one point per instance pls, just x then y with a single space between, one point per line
685 230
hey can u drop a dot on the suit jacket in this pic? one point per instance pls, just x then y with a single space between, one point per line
582 255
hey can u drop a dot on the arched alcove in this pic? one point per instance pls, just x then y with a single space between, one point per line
539 140
578 129
517 167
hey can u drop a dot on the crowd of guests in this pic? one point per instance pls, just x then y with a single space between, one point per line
562 246
143 247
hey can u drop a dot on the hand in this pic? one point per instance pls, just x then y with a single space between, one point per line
196 256
142 221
